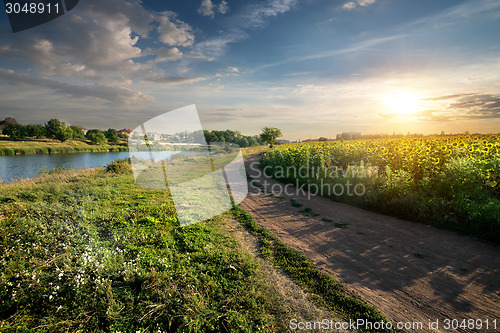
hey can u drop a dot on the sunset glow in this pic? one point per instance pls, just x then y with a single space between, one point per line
402 104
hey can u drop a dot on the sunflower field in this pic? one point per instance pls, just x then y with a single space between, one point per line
452 182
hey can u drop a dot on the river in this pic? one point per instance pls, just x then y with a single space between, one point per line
29 166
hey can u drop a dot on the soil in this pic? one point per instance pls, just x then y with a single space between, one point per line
290 301
411 272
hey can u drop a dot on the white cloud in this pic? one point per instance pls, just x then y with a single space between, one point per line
114 94
229 71
208 8
366 2
356 47
174 32
94 54
257 14
164 54
349 5
223 7
252 16
159 76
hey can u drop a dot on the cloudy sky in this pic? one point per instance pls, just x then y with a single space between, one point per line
310 67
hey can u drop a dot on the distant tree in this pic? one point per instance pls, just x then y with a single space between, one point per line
58 130
96 136
123 136
270 134
322 139
14 131
112 136
35 131
198 136
77 132
243 142
252 141
52 126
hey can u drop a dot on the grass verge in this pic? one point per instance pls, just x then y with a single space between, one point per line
88 251
47 146
301 270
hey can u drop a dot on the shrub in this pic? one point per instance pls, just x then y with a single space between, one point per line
120 166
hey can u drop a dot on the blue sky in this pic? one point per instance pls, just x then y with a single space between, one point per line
312 68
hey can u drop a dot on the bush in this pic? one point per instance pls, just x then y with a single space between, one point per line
120 166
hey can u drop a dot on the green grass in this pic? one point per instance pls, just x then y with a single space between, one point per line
309 212
330 293
91 252
48 146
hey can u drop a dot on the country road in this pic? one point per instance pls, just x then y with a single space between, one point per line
411 272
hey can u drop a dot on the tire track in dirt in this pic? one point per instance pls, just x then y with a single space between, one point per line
410 271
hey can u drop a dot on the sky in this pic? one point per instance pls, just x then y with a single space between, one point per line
309 67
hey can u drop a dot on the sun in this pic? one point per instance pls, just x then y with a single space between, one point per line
402 103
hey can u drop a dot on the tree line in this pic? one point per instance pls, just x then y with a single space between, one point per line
59 130
232 136
268 135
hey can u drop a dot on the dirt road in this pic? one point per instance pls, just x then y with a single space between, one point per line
411 272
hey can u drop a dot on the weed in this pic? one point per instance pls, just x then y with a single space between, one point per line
309 212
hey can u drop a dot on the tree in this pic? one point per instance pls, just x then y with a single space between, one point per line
252 141
14 131
96 136
77 132
270 134
243 142
112 136
58 130
35 131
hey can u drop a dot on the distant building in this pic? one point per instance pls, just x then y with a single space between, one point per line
84 130
125 131
154 136
349 136
6 122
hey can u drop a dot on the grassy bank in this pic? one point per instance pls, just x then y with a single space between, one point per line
90 251
48 146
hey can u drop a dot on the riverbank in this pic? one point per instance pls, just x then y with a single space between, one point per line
48 146
90 251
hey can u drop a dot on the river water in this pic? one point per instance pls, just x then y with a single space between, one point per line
29 166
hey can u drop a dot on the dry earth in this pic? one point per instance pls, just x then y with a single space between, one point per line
411 272
290 300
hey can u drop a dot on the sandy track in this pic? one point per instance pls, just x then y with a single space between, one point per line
411 272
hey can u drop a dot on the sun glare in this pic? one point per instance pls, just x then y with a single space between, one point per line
402 103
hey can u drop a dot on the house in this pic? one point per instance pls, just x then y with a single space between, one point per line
6 122
84 130
349 136
154 136
125 131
